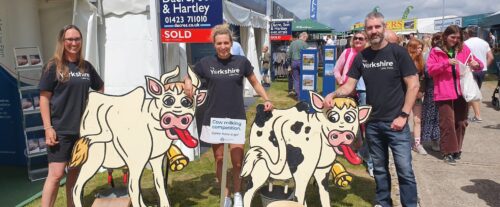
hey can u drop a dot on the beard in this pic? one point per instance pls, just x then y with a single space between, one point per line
376 39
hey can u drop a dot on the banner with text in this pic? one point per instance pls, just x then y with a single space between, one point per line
440 26
280 30
313 14
189 20
399 25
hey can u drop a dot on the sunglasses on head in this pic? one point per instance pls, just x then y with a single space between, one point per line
358 38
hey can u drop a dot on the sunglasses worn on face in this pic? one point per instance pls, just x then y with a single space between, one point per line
73 39
359 38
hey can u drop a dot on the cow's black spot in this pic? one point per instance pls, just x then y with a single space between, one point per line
324 182
297 127
294 157
259 133
308 129
250 182
307 138
272 138
262 116
302 106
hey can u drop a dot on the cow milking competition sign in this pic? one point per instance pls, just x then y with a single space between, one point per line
132 130
189 20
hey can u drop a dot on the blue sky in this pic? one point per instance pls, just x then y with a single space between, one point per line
341 14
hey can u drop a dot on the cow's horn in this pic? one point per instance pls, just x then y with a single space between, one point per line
172 74
194 78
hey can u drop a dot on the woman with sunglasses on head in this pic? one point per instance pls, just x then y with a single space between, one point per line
358 42
64 87
444 68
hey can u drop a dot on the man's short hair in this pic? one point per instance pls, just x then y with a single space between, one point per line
471 31
303 34
374 15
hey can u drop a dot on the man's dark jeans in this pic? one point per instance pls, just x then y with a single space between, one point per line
381 137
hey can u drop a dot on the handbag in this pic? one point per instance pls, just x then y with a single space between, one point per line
469 87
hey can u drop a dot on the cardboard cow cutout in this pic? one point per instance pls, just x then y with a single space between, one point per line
132 130
293 143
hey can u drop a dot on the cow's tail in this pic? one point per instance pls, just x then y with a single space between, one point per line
80 152
256 154
252 156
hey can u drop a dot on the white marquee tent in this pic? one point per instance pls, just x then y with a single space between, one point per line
120 36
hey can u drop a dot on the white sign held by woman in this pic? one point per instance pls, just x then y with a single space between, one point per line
225 130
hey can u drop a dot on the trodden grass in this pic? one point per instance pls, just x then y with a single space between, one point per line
196 184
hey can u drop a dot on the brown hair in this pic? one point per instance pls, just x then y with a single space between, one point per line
452 29
58 59
436 39
417 58
222 29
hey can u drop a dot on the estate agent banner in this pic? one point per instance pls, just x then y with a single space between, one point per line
189 20
280 30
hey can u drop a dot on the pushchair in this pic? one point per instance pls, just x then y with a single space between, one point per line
495 97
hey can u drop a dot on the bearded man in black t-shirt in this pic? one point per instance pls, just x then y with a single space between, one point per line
391 89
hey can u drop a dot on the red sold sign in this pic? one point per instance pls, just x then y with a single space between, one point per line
280 37
186 35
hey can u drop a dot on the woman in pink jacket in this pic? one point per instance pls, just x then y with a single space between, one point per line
443 66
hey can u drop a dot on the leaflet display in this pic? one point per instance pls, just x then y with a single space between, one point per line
329 61
308 73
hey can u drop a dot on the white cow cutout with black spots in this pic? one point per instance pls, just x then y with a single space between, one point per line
293 143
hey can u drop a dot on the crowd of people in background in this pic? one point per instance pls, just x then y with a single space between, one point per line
438 111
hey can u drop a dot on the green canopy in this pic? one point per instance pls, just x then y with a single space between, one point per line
311 26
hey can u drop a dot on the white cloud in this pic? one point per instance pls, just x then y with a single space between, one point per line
340 15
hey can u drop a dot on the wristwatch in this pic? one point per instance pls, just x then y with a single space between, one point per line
404 114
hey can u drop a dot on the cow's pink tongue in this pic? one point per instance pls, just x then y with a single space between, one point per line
186 137
350 155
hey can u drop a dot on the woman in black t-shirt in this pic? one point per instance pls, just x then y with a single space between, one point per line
64 86
225 74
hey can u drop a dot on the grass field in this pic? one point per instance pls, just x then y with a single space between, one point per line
196 186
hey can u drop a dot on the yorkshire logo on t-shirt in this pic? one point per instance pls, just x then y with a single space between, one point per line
84 76
225 71
381 65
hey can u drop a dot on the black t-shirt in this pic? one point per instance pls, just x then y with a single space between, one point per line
225 85
383 72
69 98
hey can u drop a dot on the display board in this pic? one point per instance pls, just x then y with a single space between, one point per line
308 73
329 61
12 137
